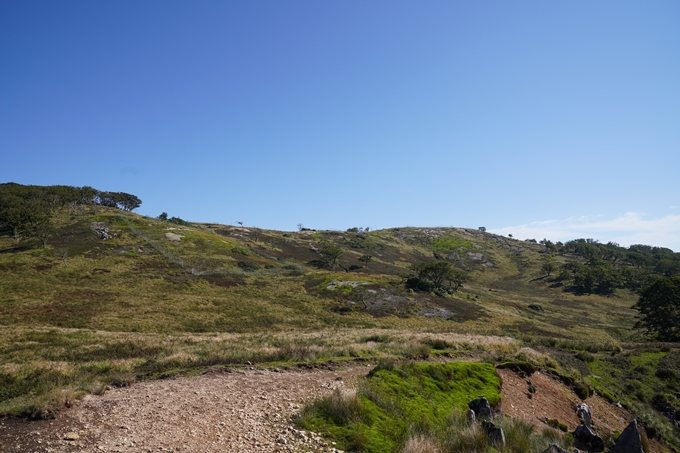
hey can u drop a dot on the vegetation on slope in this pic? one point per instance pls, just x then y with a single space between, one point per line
158 296
419 407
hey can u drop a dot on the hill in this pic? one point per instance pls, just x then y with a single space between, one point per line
106 297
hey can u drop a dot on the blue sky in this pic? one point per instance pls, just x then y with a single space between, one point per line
540 119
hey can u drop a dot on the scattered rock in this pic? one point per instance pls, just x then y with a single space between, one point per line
554 448
585 439
71 436
475 256
629 441
437 312
101 230
470 416
481 408
337 283
173 236
495 433
583 412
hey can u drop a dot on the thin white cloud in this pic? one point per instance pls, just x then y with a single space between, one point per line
627 229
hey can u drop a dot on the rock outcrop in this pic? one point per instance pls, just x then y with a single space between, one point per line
629 441
481 408
583 412
585 439
494 433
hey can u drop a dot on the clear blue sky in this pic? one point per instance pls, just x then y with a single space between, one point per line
538 118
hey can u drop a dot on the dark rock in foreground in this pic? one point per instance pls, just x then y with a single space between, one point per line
585 439
481 407
629 441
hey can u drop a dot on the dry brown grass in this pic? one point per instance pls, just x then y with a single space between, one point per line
420 443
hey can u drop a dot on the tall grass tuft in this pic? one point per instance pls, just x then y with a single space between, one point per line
343 407
421 443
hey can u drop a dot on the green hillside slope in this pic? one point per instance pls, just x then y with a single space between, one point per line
108 296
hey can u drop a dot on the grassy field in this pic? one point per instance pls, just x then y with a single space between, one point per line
84 313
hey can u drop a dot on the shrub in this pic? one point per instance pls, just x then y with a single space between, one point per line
241 251
377 338
581 389
554 423
585 356
438 344
536 307
248 266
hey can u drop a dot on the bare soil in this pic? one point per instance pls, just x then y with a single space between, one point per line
553 400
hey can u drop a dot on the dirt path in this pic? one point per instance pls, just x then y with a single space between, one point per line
219 412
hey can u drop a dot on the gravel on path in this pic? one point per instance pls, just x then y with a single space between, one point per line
238 411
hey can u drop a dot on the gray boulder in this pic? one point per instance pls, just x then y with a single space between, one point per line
481 408
629 441
470 416
585 439
494 433
583 412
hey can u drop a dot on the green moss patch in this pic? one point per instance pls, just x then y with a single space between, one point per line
395 399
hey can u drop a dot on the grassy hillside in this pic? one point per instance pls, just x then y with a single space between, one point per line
159 298
227 279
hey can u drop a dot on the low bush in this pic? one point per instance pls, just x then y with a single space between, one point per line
581 389
554 423
248 266
585 356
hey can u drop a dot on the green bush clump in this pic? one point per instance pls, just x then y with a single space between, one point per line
248 266
581 389
536 307
377 338
554 423
241 251
519 365
438 344
585 356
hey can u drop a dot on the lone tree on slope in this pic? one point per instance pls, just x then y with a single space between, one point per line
659 308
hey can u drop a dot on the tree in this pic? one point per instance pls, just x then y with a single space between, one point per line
128 202
482 229
433 276
548 267
330 255
40 227
163 216
659 308
13 214
63 254
365 259
22 216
